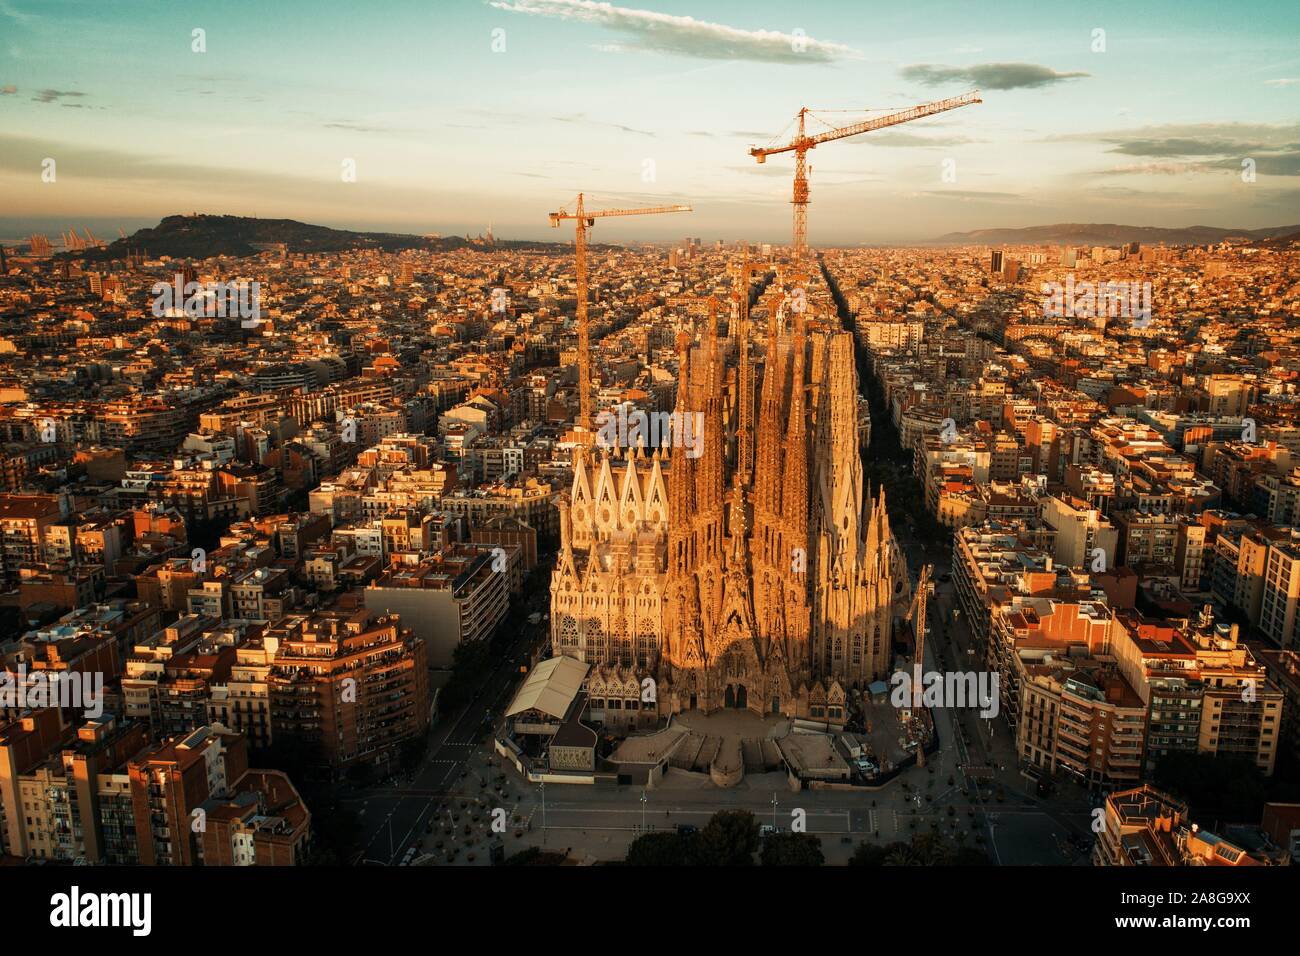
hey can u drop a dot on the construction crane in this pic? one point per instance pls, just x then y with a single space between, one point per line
585 219
802 142
916 614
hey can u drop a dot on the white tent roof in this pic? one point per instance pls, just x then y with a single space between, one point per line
550 688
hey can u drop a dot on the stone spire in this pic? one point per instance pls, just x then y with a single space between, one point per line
745 399
710 492
767 475
793 555
681 476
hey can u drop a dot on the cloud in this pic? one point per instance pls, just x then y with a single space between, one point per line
1160 168
354 127
650 31
1177 148
53 96
901 139
1285 163
989 76
1283 81
17 16
581 118
763 169
973 195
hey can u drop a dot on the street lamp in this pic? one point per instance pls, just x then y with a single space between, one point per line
643 801
773 811
543 789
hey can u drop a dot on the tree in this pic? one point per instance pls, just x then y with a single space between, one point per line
931 849
970 856
923 849
868 854
792 849
470 662
660 849
412 751
730 838
533 856
901 854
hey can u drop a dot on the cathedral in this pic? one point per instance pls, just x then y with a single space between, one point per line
754 571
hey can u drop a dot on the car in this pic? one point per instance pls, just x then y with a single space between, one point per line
766 830
687 829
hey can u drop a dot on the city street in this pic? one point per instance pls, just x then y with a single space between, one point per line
396 813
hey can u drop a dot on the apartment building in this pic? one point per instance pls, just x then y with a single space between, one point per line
458 595
1042 630
243 701
1083 534
1279 607
173 779
262 822
1080 718
1204 690
1147 827
352 684
24 520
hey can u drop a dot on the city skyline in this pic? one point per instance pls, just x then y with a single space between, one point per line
644 103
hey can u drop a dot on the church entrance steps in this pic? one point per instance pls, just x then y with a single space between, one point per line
728 766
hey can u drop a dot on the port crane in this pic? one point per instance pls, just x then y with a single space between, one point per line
584 219
802 142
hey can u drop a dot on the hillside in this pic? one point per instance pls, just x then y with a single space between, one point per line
200 236
1108 234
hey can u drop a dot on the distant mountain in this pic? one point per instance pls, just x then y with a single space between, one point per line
1289 241
201 236
1107 234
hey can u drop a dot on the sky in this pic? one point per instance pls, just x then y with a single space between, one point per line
459 113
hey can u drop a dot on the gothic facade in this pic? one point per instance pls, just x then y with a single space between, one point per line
747 567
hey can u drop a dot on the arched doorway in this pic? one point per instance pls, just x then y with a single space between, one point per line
695 701
729 698
741 697
776 705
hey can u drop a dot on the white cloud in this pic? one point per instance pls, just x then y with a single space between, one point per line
648 30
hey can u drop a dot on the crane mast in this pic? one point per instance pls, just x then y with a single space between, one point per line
584 219
802 142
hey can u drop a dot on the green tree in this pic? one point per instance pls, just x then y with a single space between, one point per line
659 849
971 856
931 849
901 854
868 854
792 849
730 838
412 751
533 856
